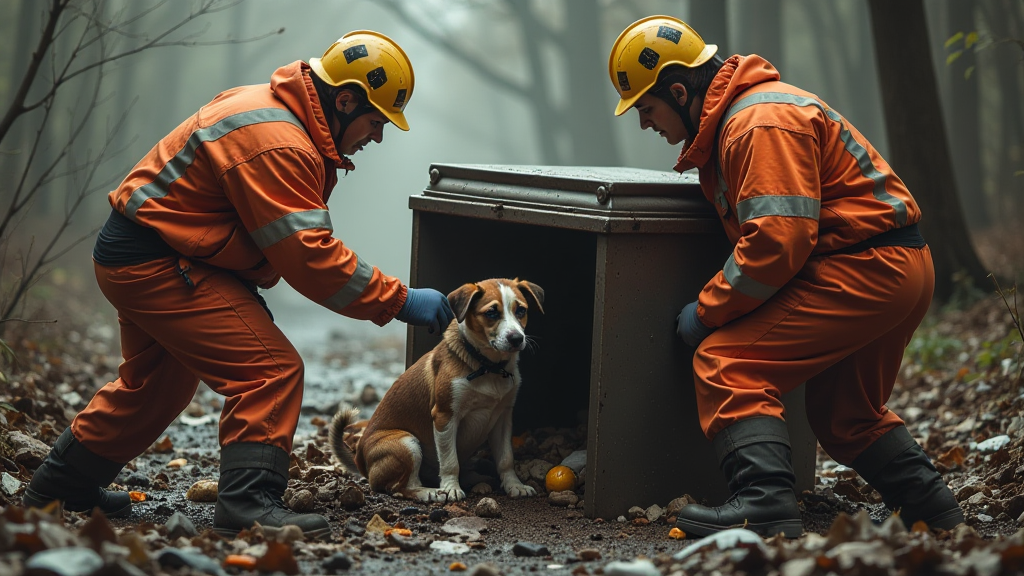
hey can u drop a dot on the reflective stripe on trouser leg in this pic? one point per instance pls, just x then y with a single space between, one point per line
216 331
834 307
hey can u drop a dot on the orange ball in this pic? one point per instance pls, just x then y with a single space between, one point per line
560 478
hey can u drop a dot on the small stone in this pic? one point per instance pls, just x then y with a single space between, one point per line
676 505
377 524
177 463
351 497
179 525
993 444
9 484
353 527
336 561
137 479
409 511
467 528
487 508
635 512
369 395
538 470
482 488
563 498
203 491
631 568
620 519
175 558
588 554
446 547
484 570
456 510
302 501
530 549
407 543
438 515
73 561
653 513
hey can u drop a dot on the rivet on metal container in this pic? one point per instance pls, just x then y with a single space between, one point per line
602 195
435 175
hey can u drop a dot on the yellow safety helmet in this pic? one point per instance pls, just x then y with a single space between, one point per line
374 62
645 47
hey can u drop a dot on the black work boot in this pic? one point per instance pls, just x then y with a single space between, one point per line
253 478
754 454
898 468
74 475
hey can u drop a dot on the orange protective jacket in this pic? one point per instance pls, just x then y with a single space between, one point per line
789 177
243 185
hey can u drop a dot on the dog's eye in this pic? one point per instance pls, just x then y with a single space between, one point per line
493 314
520 311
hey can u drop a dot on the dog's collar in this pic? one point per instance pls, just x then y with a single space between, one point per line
486 365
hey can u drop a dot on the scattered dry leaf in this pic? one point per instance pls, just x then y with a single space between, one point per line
137 496
242 561
676 534
163 446
457 567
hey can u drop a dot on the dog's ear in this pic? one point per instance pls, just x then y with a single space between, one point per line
531 290
461 298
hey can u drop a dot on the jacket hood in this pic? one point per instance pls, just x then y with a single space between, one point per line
292 85
737 75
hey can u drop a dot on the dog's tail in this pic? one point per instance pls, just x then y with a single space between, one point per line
344 417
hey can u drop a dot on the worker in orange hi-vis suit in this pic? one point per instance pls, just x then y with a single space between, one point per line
230 201
827 281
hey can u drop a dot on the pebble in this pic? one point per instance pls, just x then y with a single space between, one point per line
409 511
438 515
177 463
336 561
179 525
351 497
538 470
9 484
620 519
73 561
352 527
302 501
487 508
530 549
407 543
482 488
724 540
203 491
653 513
676 505
465 527
635 512
588 554
174 558
369 395
993 444
446 547
563 498
377 524
484 570
137 479
631 568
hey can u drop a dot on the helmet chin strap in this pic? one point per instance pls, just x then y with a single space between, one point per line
345 120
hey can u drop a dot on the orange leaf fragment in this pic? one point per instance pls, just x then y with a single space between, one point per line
164 445
953 456
457 567
399 531
676 534
919 526
243 561
963 371
137 496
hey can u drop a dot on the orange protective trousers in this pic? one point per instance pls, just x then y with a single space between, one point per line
841 325
173 336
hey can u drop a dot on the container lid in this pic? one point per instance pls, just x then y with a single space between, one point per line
598 199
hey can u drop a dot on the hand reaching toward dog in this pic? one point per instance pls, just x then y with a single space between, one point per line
426 307
690 327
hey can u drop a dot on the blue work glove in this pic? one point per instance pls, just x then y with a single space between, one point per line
689 326
426 307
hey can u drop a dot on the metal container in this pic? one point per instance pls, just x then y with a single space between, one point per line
618 253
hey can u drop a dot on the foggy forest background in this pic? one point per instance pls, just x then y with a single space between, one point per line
498 82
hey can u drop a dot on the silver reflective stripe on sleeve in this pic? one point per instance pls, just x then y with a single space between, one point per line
285 226
859 153
789 206
353 289
744 284
177 165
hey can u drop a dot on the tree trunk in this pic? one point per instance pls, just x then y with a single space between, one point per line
917 138
709 19
1004 23
589 112
962 114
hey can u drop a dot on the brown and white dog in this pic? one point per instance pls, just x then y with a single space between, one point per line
442 409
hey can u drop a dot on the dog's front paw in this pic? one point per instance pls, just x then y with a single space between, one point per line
519 490
449 494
